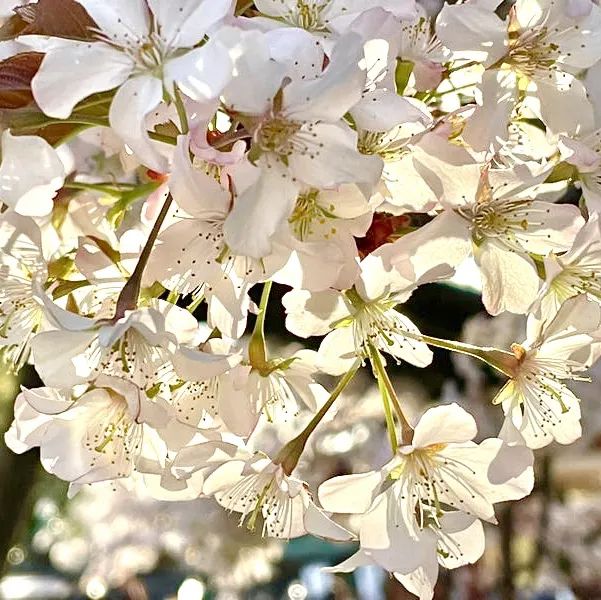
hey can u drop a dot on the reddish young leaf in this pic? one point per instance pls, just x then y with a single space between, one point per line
59 18
12 27
16 73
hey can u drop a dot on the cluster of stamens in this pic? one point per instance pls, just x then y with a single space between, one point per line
308 15
308 212
531 52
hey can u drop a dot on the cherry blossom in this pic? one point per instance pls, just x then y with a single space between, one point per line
441 477
182 175
536 400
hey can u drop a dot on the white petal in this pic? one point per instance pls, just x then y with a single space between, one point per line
509 280
359 559
65 77
329 97
444 424
564 105
195 365
389 543
337 351
184 23
473 29
465 540
256 216
202 74
134 100
59 357
317 523
29 186
443 241
192 189
331 158
349 494
551 228
47 400
251 55
486 128
382 110
124 23
309 314
28 428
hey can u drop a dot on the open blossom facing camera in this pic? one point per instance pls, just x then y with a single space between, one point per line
536 400
427 500
177 176
94 437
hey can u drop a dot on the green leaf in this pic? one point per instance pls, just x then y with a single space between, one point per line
65 288
403 71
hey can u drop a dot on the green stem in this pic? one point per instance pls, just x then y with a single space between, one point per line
112 189
386 386
390 424
502 361
128 298
445 92
471 63
290 454
257 351
127 198
181 112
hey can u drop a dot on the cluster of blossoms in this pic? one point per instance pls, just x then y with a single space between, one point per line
174 155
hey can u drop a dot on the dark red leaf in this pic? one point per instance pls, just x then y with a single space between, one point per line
59 18
16 73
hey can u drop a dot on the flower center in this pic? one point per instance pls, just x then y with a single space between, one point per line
308 15
531 52
275 136
307 212
574 280
389 146
496 218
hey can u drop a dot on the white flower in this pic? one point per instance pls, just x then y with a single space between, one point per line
134 346
94 437
212 384
284 386
382 107
298 138
259 486
449 539
29 186
326 16
578 271
21 262
492 215
422 49
585 154
536 401
142 49
536 50
432 490
359 317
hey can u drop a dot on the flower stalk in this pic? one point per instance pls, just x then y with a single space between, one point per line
257 348
128 298
501 360
290 454
390 399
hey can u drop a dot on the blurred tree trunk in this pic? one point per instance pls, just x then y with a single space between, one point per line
507 583
17 477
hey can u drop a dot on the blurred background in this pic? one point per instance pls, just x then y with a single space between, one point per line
109 542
